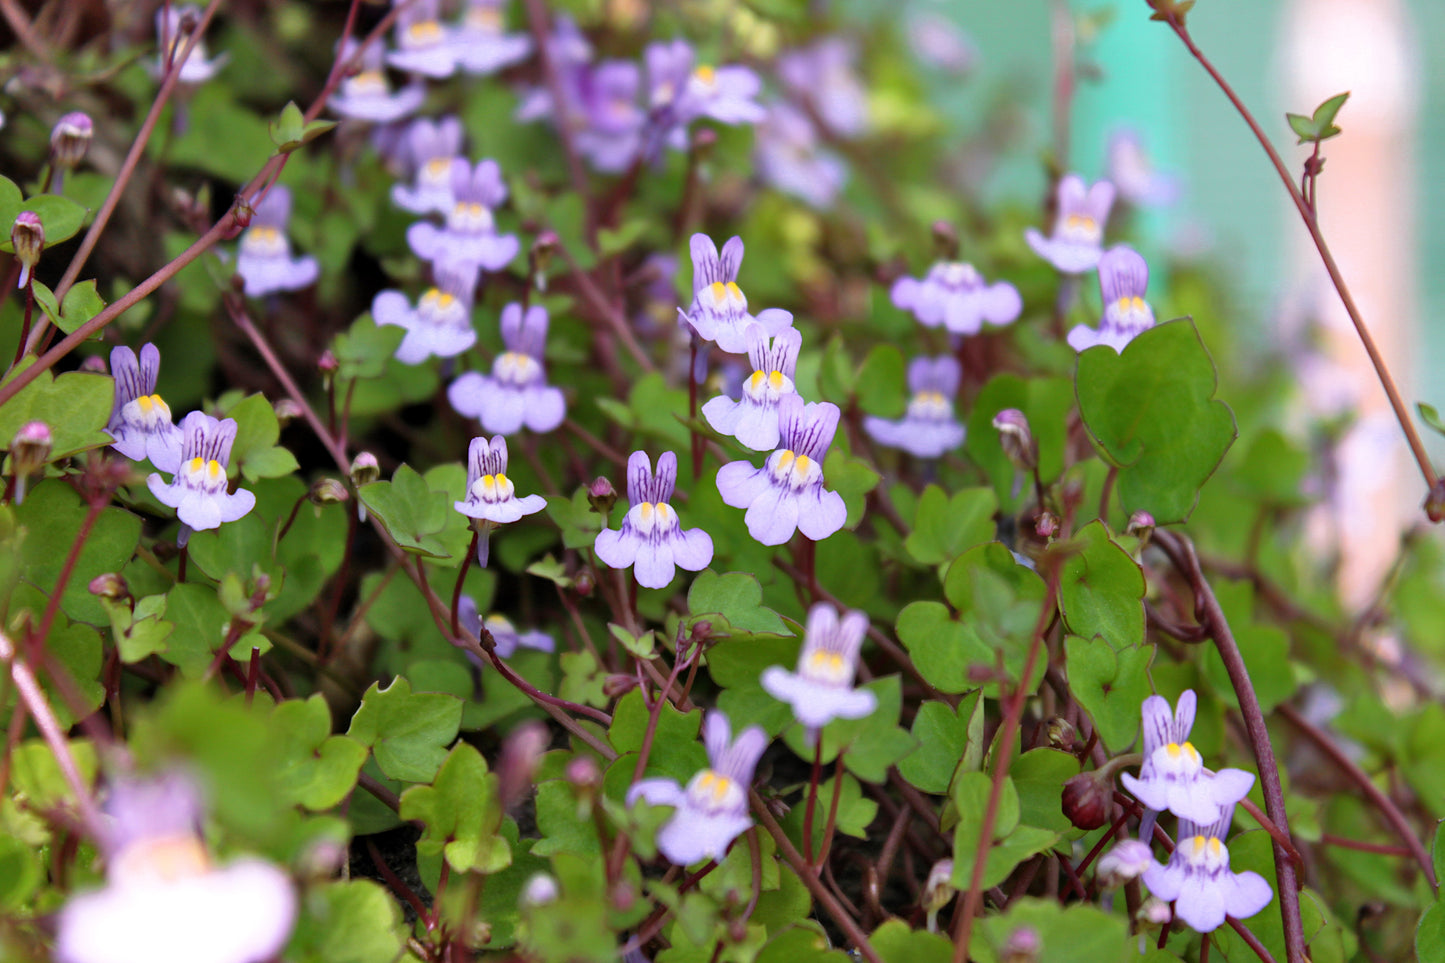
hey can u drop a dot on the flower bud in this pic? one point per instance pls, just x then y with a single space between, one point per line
521 751
243 212
94 364
327 363
70 140
1154 914
618 684
946 239
939 888
540 890
1022 946
624 896
1046 524
583 584
1062 734
364 469
539 258
287 411
27 237
109 586
31 446
1141 523
601 496
582 772
1016 438
1435 502
1086 800
328 491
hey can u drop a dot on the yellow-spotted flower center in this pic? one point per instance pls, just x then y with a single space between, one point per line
516 368
794 470
167 859
930 406
1178 762
470 218
649 518
1205 853
703 80
723 297
485 19
369 83
1082 228
262 240
713 792
958 274
148 413
498 626
767 387
1130 313
208 476
493 488
423 33
828 668
437 172
439 308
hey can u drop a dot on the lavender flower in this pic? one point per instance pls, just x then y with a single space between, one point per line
367 96
753 419
1077 242
790 158
1127 860
822 688
470 235
929 429
173 30
1123 278
713 810
939 43
424 44
719 311
1131 171
198 490
264 260
569 53
955 295
680 94
1172 776
1198 881
164 901
505 636
140 422
822 76
430 147
652 539
441 323
610 124
787 492
516 393
491 497
482 44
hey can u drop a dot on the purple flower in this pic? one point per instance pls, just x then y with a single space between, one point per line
939 43
1077 241
140 422
790 158
1123 278
652 539
470 235
164 901
505 636
713 810
424 44
1172 776
516 393
198 492
787 492
482 44
173 26
678 94
955 295
719 311
753 419
1132 173
429 147
929 429
1198 881
441 323
822 76
569 53
491 496
610 122
368 96
822 688
1127 860
264 259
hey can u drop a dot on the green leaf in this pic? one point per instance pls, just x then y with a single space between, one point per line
896 943
1430 935
945 736
254 453
82 302
286 130
1319 126
52 516
944 527
144 632
1046 403
201 622
76 406
1066 935
852 478
942 648
364 349
1111 684
854 812
1101 589
738 597
10 201
675 752
1038 775
315 769
1152 414
1431 417
1012 842
348 922
20 872
882 388
461 813
1273 470
411 511
408 733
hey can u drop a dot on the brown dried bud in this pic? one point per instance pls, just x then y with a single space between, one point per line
328 491
30 447
939 888
1086 800
364 469
109 586
287 411
70 139
1062 734
618 684
1016 438
946 240
1141 523
27 237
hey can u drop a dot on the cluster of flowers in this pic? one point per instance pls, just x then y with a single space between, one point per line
1172 778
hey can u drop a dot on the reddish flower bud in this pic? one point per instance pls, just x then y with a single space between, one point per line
1086 800
601 496
70 140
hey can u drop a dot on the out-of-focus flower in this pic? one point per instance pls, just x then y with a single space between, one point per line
1172 776
198 490
470 235
1198 879
822 688
1017 439
939 43
787 493
1077 242
1131 171
611 123
679 93
27 239
441 323
1127 860
430 147
955 295
491 497
822 76
929 429
264 260
505 636
69 142
1123 279
719 311
753 419
482 43
173 28
652 539
516 393
791 159
569 53
424 45
368 96
140 421
713 810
